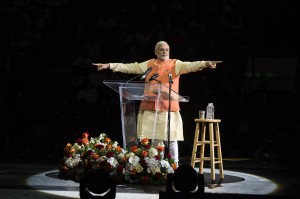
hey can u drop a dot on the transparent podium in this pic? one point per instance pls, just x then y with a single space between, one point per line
130 93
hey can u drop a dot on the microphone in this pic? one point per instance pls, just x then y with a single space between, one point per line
146 73
170 78
153 77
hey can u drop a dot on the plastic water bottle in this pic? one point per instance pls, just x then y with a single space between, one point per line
210 109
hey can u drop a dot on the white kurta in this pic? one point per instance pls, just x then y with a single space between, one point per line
146 128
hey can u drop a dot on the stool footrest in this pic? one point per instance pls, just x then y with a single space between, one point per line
207 159
203 142
200 144
202 159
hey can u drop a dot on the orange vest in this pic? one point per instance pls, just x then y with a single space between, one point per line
163 69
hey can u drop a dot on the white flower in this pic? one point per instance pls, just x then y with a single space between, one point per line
102 136
76 146
162 154
151 161
164 163
154 169
93 141
129 155
73 162
115 144
170 170
152 152
112 161
120 156
102 158
139 168
69 162
134 160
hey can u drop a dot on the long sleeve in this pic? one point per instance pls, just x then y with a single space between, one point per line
130 68
187 67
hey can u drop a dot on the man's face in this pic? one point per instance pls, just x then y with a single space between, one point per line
162 52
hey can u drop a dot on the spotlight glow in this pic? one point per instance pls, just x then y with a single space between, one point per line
67 188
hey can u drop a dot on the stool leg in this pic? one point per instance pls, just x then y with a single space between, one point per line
196 137
202 148
212 153
220 159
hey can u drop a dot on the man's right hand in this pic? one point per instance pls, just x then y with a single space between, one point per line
101 66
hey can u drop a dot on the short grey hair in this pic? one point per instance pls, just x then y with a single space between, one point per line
158 44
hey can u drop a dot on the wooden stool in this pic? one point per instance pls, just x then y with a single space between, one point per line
214 141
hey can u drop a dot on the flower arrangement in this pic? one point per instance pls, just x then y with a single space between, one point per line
142 163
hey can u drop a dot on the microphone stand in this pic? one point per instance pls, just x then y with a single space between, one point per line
135 77
167 148
142 75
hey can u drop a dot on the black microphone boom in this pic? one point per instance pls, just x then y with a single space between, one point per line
146 73
153 77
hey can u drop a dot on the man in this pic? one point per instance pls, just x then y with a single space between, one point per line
165 68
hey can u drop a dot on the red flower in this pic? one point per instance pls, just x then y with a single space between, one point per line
85 135
158 175
68 155
160 148
157 157
145 141
85 141
144 153
109 154
99 146
143 163
95 156
120 168
145 179
134 149
89 153
107 140
103 164
79 141
169 156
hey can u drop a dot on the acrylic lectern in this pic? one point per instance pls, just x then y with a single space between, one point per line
130 93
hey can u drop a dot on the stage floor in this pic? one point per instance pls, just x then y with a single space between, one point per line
260 177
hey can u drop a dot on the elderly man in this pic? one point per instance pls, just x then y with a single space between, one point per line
164 67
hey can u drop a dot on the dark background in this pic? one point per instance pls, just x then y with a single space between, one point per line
50 93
